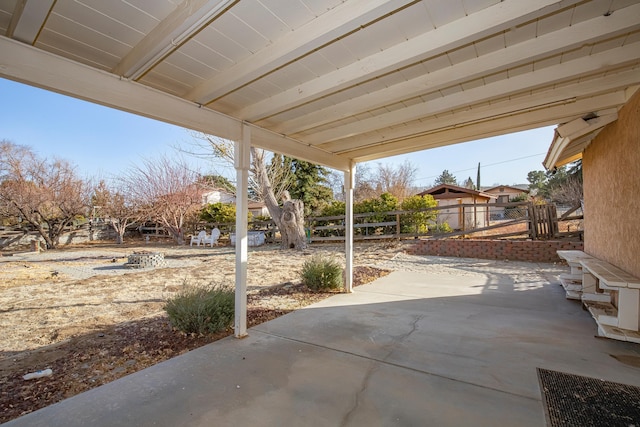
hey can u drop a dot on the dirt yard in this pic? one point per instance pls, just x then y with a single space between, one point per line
81 313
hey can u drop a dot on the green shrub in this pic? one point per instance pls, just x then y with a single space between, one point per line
419 219
202 310
220 213
442 227
319 273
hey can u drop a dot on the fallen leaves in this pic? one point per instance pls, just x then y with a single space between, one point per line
105 354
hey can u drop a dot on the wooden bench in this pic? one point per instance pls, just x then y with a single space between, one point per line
572 282
617 312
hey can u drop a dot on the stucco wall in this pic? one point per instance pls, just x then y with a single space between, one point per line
611 168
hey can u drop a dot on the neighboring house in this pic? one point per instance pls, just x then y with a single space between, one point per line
460 217
218 196
503 193
258 209
222 196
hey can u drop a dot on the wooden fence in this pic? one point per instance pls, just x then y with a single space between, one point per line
498 220
503 220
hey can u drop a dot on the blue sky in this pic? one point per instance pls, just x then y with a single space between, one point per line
104 142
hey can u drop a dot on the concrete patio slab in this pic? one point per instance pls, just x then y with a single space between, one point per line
408 349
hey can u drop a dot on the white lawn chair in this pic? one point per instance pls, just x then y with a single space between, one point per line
199 238
213 239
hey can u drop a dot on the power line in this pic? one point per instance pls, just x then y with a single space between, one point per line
484 166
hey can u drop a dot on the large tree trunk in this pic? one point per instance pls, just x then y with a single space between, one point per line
290 218
292 225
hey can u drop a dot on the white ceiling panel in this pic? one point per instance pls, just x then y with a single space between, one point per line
554 22
320 7
199 60
362 79
184 76
123 13
318 64
462 54
608 45
5 20
260 19
213 59
473 6
85 35
337 54
520 33
158 9
77 50
413 21
292 12
444 11
594 9
490 44
70 19
232 27
219 44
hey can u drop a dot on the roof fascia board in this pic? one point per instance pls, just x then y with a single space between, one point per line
26 64
573 131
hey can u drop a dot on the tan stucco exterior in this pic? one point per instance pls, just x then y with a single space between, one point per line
611 168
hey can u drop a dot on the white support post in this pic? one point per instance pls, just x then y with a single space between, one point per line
349 184
242 157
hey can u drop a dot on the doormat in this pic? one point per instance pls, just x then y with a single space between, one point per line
573 400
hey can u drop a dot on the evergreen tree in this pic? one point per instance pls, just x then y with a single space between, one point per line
217 182
446 177
309 184
469 184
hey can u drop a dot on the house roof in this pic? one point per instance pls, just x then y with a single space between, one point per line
571 138
511 187
331 81
448 191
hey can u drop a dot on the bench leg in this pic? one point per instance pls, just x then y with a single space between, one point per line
629 309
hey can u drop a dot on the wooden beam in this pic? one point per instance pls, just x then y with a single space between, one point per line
536 100
514 85
510 57
176 29
333 24
28 18
494 127
35 67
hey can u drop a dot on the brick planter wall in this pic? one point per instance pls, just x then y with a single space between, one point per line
515 250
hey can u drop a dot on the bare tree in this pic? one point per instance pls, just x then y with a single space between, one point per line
46 194
269 181
221 151
290 217
397 181
363 184
166 191
116 207
569 192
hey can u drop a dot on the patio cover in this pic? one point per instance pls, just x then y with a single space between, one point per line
331 81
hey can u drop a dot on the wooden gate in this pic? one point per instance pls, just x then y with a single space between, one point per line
543 221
